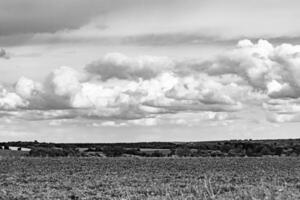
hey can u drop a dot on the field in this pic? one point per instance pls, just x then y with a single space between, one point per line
150 178
9 153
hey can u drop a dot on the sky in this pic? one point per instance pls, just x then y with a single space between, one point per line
149 70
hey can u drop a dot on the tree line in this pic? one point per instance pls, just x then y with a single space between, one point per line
230 148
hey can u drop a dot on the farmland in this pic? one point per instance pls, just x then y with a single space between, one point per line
150 178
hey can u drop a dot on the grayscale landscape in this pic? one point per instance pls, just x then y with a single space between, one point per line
149 99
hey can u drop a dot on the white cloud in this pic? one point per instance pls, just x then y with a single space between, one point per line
283 105
144 122
282 118
134 89
119 87
27 88
10 100
263 66
108 123
201 88
65 81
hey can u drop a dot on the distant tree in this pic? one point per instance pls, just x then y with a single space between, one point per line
250 152
183 151
113 151
297 149
157 154
266 151
52 152
172 151
19 148
98 148
200 153
202 147
237 152
6 147
257 150
225 147
278 151
133 151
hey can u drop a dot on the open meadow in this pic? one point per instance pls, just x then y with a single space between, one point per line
150 178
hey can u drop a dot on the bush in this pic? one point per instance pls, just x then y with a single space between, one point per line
113 151
133 151
266 151
52 152
183 151
237 152
157 154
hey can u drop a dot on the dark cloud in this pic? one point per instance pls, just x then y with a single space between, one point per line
21 17
165 20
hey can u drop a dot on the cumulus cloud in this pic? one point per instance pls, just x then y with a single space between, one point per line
10 100
27 88
64 81
271 73
265 67
142 89
69 93
283 110
203 89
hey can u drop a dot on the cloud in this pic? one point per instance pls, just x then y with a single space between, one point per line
268 73
265 67
64 81
203 89
176 38
283 118
27 88
146 23
10 100
121 88
4 54
252 62
116 65
68 93
43 16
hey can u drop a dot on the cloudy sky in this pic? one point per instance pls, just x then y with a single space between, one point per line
149 70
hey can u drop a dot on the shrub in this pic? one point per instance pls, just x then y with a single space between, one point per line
113 151
52 152
157 154
183 151
133 151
